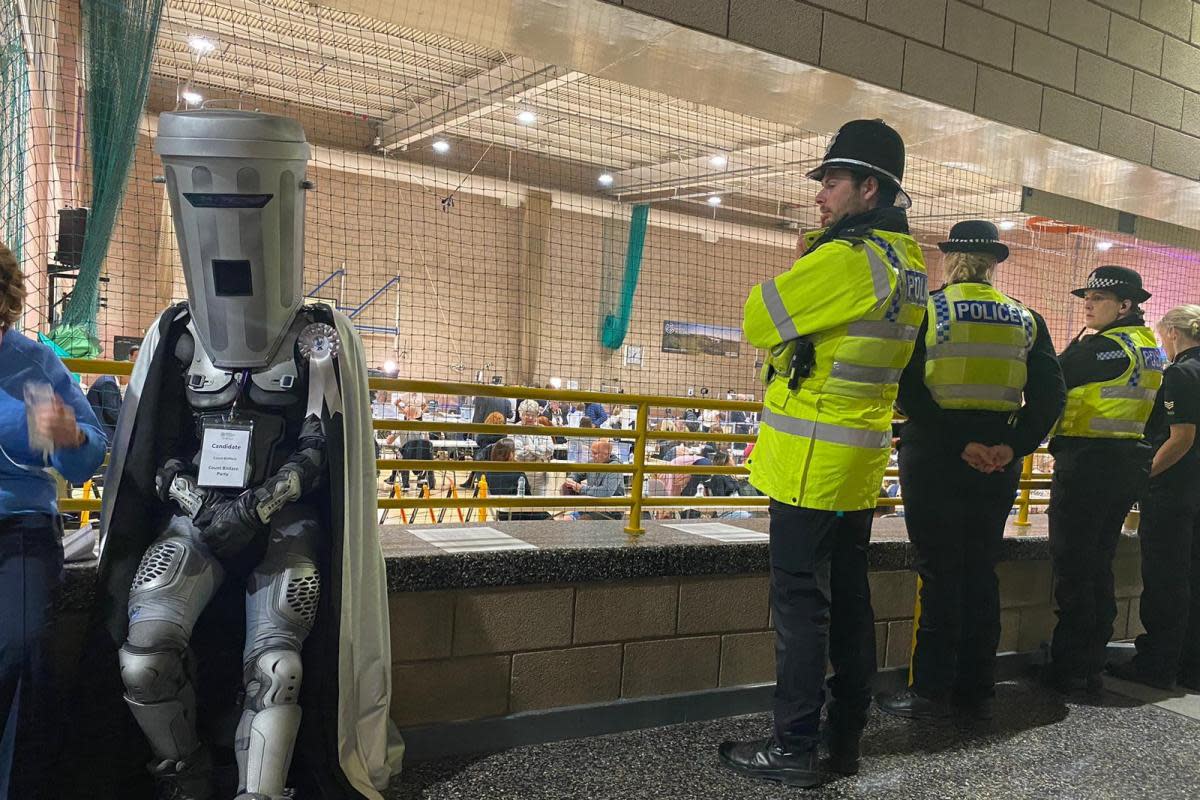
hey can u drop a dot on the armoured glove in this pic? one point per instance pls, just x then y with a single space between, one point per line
227 525
165 475
174 481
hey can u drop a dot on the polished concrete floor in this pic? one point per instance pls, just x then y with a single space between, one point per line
1132 743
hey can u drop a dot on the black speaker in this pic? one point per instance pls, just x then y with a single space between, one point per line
72 227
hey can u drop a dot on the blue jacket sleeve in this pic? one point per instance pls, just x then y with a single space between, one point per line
79 463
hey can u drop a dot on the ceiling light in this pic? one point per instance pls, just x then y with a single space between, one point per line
201 45
1007 225
441 146
1102 246
714 200
718 161
526 117
191 98
605 179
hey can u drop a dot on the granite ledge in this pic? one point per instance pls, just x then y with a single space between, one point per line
594 551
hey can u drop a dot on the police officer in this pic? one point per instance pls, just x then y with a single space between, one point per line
978 354
1169 533
1101 463
839 327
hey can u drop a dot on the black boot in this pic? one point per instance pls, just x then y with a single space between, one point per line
980 709
188 779
844 750
765 759
910 705
1129 671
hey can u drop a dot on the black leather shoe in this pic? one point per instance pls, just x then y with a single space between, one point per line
1090 686
1188 681
980 709
844 751
765 759
911 705
1129 672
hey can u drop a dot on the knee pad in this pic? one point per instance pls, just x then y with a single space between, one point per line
273 679
151 676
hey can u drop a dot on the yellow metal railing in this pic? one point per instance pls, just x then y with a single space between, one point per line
635 502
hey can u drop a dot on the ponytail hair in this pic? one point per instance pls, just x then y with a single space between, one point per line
969 267
1185 318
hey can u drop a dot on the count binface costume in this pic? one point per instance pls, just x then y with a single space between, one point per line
238 471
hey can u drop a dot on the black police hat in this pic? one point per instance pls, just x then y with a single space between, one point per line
975 236
867 145
1122 281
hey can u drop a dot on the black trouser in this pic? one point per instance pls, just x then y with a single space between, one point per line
821 606
1089 500
31 563
1169 534
955 517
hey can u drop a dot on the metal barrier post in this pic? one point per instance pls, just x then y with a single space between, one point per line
1023 503
634 528
86 516
483 492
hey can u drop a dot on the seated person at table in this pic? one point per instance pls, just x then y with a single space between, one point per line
509 483
531 446
483 444
598 484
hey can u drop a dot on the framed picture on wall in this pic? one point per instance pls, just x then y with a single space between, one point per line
698 338
633 355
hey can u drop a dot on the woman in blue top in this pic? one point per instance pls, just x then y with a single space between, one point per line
31 554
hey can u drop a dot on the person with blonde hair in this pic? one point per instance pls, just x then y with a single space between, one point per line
982 390
1169 533
45 422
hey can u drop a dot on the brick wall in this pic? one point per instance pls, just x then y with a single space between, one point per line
1118 76
475 653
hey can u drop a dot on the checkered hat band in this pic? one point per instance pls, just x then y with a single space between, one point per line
972 241
1101 283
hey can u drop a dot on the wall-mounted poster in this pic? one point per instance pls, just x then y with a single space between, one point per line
633 355
697 338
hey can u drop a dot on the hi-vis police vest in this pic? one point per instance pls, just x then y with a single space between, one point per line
1118 409
976 347
824 444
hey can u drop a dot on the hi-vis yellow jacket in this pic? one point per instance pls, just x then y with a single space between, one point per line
976 348
1118 409
825 444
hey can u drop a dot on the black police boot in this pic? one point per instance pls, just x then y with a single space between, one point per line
189 779
844 750
1091 685
1189 681
980 709
766 759
910 705
1129 671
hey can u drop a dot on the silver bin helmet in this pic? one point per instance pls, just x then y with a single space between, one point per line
236 184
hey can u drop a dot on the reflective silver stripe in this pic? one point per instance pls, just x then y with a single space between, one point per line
880 272
1118 425
882 329
863 374
966 391
827 432
1128 392
784 325
977 350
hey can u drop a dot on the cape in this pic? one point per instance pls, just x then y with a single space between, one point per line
348 748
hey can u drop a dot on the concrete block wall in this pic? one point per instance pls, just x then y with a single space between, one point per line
1118 76
475 653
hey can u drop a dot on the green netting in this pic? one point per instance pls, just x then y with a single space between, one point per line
14 127
119 38
617 325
